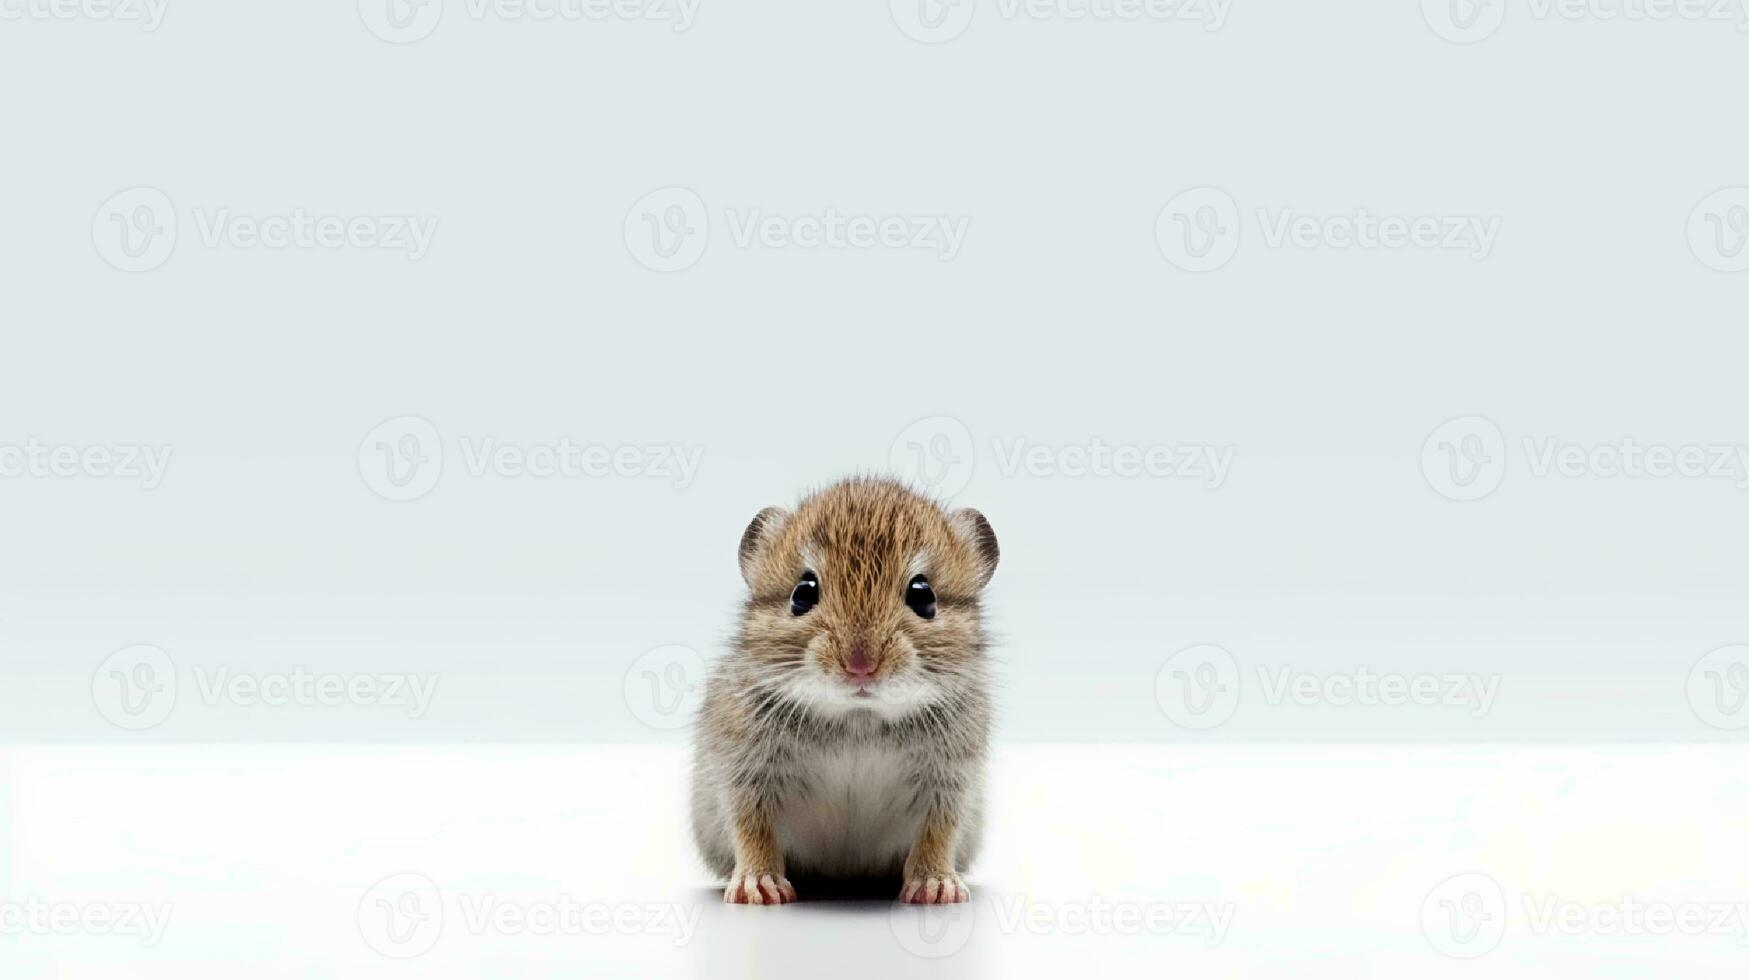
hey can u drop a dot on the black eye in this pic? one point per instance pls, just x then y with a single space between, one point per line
806 596
920 597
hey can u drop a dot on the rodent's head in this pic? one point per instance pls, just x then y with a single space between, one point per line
866 596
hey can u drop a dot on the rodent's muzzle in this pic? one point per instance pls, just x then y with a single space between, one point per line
857 661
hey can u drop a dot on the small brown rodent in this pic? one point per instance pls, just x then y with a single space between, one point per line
844 734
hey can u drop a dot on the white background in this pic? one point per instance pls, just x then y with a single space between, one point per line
567 613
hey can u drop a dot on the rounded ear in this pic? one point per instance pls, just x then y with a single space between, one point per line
977 532
764 527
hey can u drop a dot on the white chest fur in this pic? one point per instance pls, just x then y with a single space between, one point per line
857 815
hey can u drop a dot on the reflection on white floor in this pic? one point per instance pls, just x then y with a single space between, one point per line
1147 861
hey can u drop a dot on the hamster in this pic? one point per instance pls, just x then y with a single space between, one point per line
845 733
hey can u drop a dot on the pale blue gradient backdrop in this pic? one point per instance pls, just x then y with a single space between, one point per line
1059 321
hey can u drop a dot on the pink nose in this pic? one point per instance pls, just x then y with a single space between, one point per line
859 665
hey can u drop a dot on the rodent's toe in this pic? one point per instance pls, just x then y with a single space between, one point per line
758 888
934 890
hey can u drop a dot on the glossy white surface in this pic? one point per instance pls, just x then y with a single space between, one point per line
1103 860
